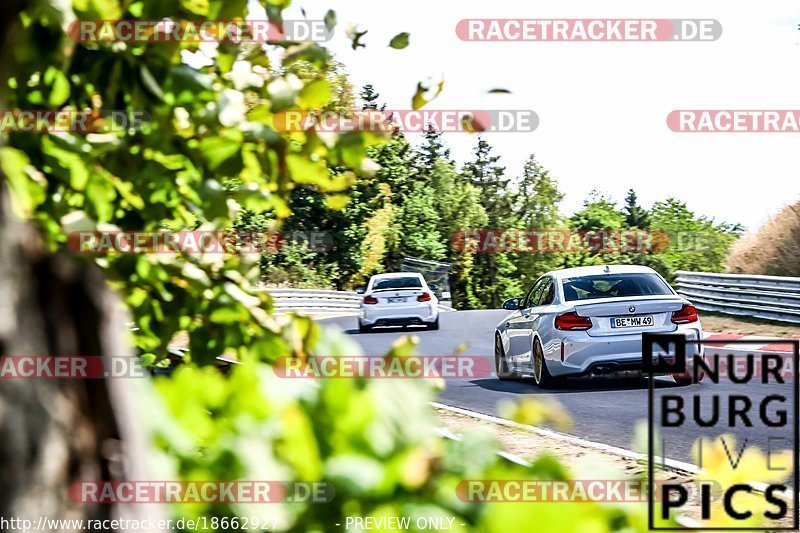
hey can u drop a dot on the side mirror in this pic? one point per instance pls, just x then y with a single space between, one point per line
361 290
512 304
434 287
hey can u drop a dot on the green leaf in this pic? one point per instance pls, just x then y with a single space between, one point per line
256 200
227 315
337 202
28 193
355 474
231 9
251 168
77 221
547 466
217 150
306 171
330 19
421 96
198 7
97 9
101 193
35 97
214 199
315 94
399 41
72 163
240 296
310 52
136 9
225 62
59 87
150 82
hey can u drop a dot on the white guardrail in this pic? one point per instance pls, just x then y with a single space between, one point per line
315 301
767 297
321 301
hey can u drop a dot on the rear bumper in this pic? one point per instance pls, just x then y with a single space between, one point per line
422 313
584 355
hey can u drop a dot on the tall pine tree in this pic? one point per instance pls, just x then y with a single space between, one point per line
635 215
494 272
433 148
369 98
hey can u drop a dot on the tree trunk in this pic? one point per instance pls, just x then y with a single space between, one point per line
54 432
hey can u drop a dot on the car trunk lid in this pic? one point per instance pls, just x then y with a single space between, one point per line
395 296
639 314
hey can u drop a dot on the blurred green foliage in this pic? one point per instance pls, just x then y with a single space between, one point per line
209 157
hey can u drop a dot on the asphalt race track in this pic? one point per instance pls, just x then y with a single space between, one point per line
603 409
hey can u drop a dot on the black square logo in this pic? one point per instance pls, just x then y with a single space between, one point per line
730 371
663 353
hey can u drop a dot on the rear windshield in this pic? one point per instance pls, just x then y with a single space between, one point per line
397 283
613 286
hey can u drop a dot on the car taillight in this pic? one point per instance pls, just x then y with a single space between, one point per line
369 300
572 322
424 297
686 315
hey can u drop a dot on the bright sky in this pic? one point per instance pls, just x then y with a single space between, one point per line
603 106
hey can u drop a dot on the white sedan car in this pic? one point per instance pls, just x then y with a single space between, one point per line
590 320
398 299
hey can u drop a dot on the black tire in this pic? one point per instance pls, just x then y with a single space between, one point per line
364 329
500 364
540 373
688 377
434 324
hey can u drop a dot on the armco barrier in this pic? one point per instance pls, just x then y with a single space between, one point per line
768 297
322 301
315 301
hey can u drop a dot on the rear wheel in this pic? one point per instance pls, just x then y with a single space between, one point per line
540 373
364 329
688 378
434 324
500 364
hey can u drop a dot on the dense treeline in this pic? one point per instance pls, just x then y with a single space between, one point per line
420 204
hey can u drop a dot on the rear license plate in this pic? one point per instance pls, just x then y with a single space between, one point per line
396 300
642 321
